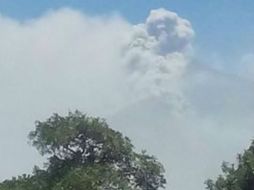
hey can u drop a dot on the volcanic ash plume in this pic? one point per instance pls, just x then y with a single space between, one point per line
158 53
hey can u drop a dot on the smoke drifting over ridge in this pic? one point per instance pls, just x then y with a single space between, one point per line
66 60
140 77
147 59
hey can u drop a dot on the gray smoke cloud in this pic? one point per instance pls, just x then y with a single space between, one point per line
142 78
158 54
173 33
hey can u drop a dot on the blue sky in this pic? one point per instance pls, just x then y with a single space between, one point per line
223 27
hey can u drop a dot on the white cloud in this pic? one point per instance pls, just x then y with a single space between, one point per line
63 60
140 77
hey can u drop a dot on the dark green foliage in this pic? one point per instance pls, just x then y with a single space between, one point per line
85 154
236 177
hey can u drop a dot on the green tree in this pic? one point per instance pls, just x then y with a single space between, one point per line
239 176
85 154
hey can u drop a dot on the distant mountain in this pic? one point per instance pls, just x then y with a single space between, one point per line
215 124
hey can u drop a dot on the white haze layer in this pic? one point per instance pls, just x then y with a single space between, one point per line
142 78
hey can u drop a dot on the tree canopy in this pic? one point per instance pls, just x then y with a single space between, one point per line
83 153
239 176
